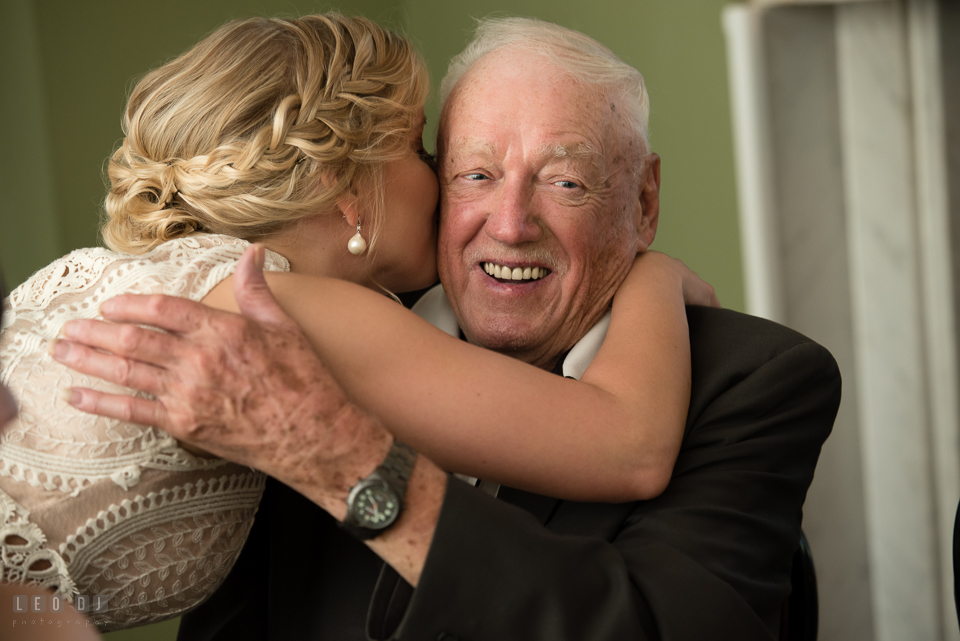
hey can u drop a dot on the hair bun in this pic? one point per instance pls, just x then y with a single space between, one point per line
224 151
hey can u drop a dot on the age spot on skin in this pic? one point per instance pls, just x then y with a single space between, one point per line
250 403
291 379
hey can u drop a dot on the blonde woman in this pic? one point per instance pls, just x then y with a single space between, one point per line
304 135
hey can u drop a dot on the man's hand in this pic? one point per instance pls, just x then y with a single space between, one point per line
248 388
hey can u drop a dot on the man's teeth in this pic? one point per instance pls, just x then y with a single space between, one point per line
515 273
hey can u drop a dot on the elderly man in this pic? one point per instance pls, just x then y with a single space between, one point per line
543 160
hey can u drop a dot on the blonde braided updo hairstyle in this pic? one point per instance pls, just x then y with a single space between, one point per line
263 122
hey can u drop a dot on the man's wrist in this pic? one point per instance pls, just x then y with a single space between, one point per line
376 501
406 545
355 446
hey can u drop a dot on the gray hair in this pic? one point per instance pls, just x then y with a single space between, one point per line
581 56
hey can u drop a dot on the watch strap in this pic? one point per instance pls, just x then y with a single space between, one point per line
398 465
394 471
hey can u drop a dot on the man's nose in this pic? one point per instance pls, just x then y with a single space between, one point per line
513 219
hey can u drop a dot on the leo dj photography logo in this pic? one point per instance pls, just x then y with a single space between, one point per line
51 610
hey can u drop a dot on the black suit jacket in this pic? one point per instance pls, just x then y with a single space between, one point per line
709 558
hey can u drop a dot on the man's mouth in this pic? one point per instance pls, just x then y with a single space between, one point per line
505 272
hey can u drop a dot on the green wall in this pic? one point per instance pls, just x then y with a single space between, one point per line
66 66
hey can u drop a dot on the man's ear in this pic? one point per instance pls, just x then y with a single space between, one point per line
648 209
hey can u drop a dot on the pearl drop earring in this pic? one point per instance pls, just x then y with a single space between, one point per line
357 245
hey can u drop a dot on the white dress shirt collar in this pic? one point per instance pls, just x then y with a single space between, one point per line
434 308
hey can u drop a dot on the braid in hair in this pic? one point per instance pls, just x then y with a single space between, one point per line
263 122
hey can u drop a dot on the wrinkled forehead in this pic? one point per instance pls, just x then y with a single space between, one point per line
509 78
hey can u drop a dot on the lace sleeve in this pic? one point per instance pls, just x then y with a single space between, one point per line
101 507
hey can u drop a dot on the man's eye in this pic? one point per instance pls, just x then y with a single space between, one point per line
475 176
567 184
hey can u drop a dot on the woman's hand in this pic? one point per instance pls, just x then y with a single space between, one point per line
696 291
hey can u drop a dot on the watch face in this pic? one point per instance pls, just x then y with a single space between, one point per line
375 507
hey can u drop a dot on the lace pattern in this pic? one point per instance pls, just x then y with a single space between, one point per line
90 505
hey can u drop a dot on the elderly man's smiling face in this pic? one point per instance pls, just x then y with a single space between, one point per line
542 205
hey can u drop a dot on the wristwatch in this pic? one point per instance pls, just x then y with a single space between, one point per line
375 502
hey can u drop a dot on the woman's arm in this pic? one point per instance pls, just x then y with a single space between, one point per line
470 410
644 365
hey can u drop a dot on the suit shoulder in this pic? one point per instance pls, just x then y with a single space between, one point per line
744 343
710 326
746 366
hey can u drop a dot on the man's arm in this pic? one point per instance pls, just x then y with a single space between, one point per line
265 400
721 534
709 558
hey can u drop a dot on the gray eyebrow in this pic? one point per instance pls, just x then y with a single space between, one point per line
576 151
473 145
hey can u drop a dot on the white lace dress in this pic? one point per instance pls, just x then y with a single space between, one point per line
96 506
